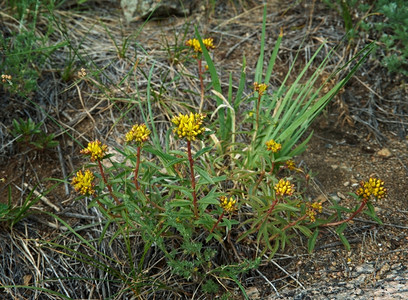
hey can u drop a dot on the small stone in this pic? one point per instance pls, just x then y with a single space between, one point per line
384 269
384 153
334 167
347 183
365 269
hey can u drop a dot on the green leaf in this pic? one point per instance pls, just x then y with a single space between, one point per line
341 228
312 240
344 241
371 213
180 203
306 231
205 177
201 152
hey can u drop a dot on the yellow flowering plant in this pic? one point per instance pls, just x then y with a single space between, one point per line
220 182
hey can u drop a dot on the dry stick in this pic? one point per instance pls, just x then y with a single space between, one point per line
193 185
106 183
349 218
63 170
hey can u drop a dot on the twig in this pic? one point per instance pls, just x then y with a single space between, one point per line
286 272
63 170
239 43
269 282
42 197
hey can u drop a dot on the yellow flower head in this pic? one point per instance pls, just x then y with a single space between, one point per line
83 183
96 150
228 205
313 209
284 187
373 187
5 78
195 44
188 126
138 133
290 164
273 146
260 88
82 73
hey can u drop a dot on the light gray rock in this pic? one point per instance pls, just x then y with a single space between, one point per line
156 8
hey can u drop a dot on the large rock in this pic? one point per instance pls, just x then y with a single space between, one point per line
155 8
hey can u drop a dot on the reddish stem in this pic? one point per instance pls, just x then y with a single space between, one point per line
288 226
106 183
257 111
218 221
137 168
268 213
363 204
193 184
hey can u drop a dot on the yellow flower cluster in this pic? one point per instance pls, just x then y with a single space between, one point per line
228 205
5 78
83 183
290 164
273 146
138 133
260 88
82 73
96 150
188 126
284 187
195 44
313 209
373 187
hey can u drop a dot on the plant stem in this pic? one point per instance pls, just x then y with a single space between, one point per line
288 226
106 183
268 213
218 221
137 168
261 176
363 204
193 184
258 104
200 75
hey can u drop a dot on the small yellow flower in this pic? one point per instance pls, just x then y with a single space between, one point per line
273 146
373 187
83 183
5 78
290 164
317 206
228 205
195 44
313 209
284 187
96 150
188 126
138 133
82 73
260 88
